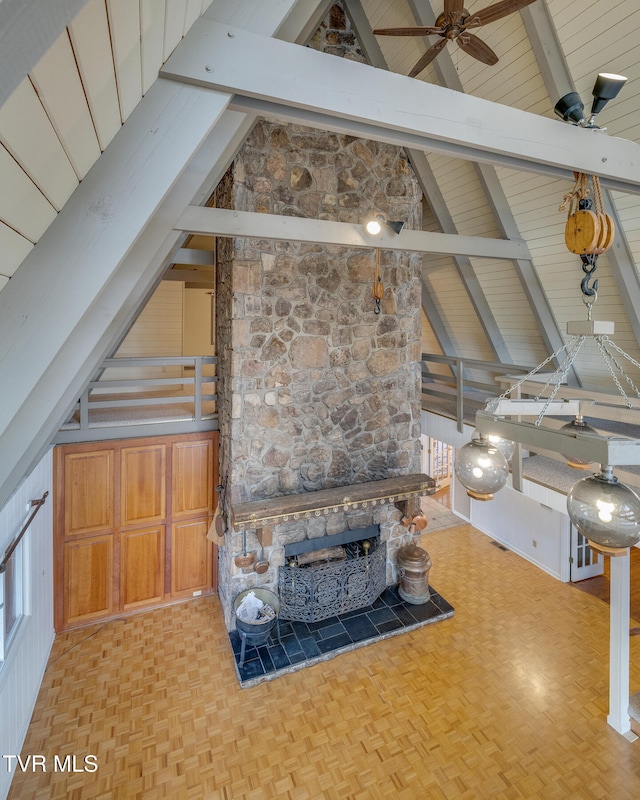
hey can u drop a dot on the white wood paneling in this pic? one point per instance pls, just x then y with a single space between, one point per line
534 531
22 205
124 24
89 33
57 82
14 249
443 282
152 34
191 14
429 342
158 329
173 25
27 133
464 196
21 674
511 310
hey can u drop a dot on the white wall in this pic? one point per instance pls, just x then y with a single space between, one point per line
532 523
22 671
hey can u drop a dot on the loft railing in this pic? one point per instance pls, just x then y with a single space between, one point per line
145 396
463 386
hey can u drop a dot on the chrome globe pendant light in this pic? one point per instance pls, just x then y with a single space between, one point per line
481 468
606 512
578 425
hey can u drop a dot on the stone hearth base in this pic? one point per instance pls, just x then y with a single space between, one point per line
304 644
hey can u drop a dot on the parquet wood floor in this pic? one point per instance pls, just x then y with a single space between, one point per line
507 699
599 586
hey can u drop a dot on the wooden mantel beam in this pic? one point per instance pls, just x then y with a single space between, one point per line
260 513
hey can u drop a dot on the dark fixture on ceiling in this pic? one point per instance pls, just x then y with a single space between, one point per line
571 108
454 24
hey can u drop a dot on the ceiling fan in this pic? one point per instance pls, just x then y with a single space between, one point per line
454 24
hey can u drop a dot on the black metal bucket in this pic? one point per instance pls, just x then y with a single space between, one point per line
256 632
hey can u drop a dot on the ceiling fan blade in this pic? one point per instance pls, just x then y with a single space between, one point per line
420 31
495 12
427 58
475 47
453 6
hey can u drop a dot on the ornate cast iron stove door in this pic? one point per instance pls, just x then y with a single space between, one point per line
313 593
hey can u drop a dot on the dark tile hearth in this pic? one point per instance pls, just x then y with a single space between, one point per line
305 643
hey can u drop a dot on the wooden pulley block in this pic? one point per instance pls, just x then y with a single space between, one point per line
582 232
608 232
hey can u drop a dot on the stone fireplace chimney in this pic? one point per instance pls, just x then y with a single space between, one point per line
316 390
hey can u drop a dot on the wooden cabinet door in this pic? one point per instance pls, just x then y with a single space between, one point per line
88 579
88 492
192 478
141 567
142 484
191 558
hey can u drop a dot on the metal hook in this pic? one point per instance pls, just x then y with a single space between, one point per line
377 309
589 266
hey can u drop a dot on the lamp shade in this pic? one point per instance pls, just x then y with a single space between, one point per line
578 425
606 87
605 511
481 468
570 108
505 446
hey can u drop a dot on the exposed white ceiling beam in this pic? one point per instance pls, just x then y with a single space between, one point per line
191 275
223 222
28 28
432 117
194 257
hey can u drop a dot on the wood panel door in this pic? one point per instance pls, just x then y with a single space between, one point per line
142 567
88 487
143 484
88 579
192 558
192 478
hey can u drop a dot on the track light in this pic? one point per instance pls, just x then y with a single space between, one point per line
377 221
571 108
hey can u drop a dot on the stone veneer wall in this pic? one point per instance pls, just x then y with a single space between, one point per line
316 389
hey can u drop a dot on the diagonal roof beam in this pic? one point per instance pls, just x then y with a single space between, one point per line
58 319
525 270
430 190
558 82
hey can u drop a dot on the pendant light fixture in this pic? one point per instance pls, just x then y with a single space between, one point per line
578 425
481 468
605 511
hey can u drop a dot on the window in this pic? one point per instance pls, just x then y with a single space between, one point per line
11 599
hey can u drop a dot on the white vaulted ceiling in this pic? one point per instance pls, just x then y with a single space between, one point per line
63 114
89 196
